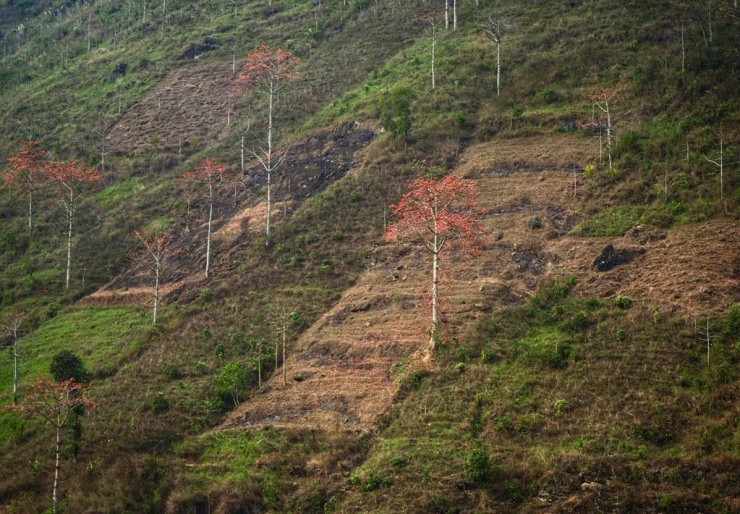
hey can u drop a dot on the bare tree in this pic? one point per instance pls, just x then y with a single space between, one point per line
70 181
497 29
282 321
209 175
269 71
719 161
432 19
13 329
159 248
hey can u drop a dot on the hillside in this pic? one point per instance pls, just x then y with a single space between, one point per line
562 384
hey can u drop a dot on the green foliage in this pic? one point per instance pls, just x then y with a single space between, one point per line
623 302
160 404
66 365
395 111
232 381
477 467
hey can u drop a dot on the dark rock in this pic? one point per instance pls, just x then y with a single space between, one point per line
120 69
611 257
534 223
194 50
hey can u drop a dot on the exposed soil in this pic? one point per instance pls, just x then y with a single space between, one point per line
240 213
340 374
341 371
191 104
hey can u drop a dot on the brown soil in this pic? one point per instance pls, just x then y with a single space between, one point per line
190 104
340 372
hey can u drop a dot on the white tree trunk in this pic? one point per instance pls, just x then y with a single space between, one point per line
454 14
30 210
447 14
210 220
285 369
16 356
70 215
269 166
498 69
434 48
57 467
435 288
156 292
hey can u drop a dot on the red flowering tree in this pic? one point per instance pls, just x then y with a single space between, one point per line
55 403
26 173
268 71
208 175
159 248
71 181
442 216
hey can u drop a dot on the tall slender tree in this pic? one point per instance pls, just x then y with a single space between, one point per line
269 71
497 29
209 175
26 173
159 249
70 181
55 403
441 215
13 329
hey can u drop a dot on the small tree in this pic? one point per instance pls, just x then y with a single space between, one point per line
70 181
432 19
232 380
720 163
604 98
497 29
441 215
282 320
395 109
55 403
13 329
209 175
269 71
65 365
159 248
26 173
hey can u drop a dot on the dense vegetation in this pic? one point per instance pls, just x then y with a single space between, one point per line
564 401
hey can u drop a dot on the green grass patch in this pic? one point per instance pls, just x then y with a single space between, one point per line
118 192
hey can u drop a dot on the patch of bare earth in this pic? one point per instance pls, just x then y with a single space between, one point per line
340 371
191 104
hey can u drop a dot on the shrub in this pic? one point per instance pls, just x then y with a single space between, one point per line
561 407
160 403
460 367
65 365
548 95
477 467
622 301
172 372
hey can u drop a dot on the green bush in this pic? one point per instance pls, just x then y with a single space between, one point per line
160 403
622 301
66 365
477 467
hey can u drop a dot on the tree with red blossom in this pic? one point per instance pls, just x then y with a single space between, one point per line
269 71
441 215
71 181
159 248
55 403
26 173
210 175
